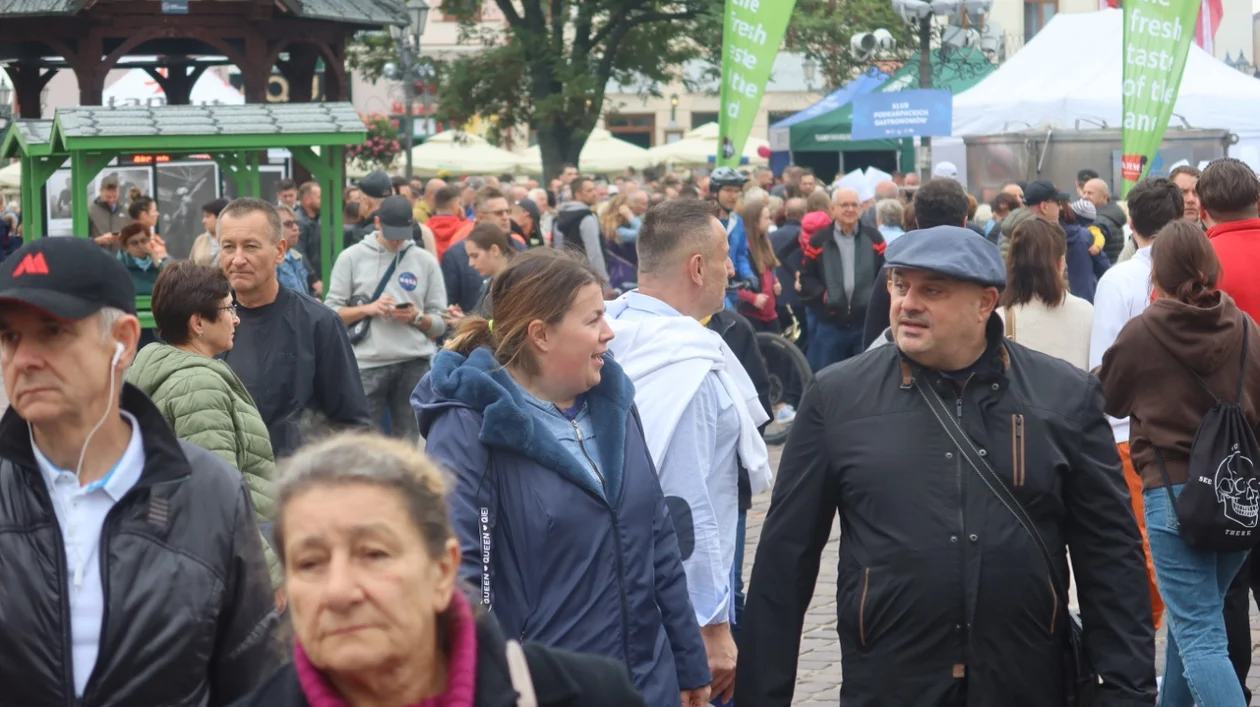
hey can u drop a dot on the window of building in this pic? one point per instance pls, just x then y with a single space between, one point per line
698 119
1037 14
636 128
775 116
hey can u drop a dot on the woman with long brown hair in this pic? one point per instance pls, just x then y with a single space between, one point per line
1191 348
759 307
556 504
1037 307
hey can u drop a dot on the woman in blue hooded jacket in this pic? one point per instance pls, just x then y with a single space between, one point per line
559 511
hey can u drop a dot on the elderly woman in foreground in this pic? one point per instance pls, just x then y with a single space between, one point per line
370 564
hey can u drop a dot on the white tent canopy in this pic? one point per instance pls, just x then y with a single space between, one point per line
137 87
458 154
602 154
701 144
1036 89
11 176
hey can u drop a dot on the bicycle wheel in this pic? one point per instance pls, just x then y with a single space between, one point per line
790 375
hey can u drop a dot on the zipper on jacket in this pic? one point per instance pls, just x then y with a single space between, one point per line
1054 610
962 515
621 585
577 429
63 591
1017 449
866 587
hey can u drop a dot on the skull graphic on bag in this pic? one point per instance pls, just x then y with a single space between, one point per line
1236 490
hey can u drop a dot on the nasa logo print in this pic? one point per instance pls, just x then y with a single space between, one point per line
408 281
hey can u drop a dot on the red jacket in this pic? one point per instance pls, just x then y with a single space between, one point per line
1237 244
767 313
445 227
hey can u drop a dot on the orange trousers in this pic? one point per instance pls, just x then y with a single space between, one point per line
1134 483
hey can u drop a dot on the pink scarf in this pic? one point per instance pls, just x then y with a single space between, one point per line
461 678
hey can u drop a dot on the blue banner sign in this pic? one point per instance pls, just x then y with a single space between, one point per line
174 7
894 114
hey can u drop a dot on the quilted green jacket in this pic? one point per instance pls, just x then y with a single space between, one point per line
207 405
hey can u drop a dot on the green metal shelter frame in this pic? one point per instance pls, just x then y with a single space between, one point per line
234 136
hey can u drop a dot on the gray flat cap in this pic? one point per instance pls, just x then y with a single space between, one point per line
957 252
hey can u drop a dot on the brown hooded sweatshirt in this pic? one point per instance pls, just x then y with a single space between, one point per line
1142 379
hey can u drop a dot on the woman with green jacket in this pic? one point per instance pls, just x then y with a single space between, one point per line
200 396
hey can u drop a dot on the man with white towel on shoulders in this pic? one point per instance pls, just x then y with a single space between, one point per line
699 407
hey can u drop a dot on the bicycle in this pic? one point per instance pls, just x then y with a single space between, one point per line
790 375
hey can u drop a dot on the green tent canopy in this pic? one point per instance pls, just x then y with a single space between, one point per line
832 132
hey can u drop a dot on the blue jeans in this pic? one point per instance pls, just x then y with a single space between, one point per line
1193 584
829 343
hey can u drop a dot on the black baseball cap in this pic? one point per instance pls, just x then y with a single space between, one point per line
396 218
377 185
1041 190
69 278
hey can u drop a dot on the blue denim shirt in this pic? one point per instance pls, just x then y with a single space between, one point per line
292 273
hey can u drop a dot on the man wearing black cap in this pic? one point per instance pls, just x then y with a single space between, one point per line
291 352
398 286
374 189
135 568
930 451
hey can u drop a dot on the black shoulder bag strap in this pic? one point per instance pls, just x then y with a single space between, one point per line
389 273
1083 681
1242 377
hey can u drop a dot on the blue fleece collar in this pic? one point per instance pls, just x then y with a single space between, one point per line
482 384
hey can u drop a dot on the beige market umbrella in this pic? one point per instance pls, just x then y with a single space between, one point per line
11 176
458 154
602 154
699 146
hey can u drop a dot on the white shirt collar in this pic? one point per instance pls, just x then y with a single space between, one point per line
120 479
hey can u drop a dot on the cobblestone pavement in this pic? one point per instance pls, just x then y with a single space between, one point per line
818 672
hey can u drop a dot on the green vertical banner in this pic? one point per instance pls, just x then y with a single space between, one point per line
752 33
1157 36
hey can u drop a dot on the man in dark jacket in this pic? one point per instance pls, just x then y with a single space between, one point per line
944 598
1110 216
136 568
105 216
840 267
292 353
940 202
310 202
577 227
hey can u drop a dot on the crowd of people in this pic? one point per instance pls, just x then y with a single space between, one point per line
234 508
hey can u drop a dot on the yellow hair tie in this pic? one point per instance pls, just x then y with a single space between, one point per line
490 324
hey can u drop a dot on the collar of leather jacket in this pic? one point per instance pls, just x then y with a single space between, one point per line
164 460
995 361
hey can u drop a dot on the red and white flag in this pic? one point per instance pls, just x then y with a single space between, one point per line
1210 13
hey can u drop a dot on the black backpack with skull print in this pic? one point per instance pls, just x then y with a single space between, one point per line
1218 507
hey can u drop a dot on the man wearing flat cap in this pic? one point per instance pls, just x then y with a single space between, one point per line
963 468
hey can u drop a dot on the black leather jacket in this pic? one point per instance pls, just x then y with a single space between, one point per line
188 606
936 579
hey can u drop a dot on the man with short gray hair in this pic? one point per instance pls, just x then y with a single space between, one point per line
292 352
699 407
135 571
886 189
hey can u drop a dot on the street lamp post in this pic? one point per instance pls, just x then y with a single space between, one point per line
673 109
407 38
810 67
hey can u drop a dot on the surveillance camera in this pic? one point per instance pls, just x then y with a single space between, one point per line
863 44
884 40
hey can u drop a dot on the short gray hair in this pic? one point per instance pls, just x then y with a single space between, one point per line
240 208
107 317
671 226
889 212
354 458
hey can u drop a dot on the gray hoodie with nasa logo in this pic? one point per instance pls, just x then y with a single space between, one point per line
416 279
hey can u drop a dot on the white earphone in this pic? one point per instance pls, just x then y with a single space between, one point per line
119 348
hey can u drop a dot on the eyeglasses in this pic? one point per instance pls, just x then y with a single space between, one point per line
230 308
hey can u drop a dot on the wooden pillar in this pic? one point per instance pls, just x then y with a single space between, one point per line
257 69
178 81
336 83
90 70
299 69
28 83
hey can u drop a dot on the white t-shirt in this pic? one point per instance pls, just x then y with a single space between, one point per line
1123 293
